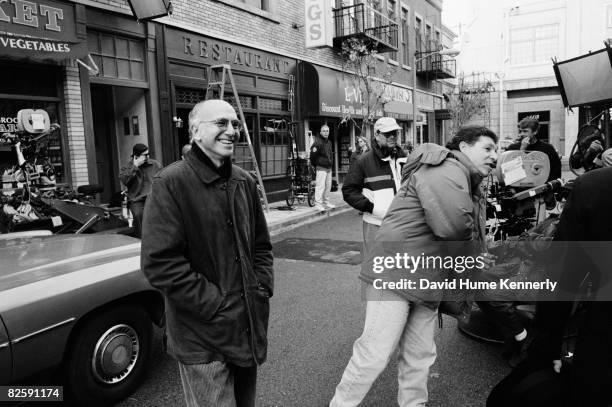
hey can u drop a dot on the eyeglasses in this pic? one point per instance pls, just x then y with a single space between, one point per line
223 124
389 133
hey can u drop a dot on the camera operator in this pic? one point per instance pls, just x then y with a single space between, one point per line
587 153
529 141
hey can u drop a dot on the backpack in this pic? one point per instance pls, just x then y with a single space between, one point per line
455 303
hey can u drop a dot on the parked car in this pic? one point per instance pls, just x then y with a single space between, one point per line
81 304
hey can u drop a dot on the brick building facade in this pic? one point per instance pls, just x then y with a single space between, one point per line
150 74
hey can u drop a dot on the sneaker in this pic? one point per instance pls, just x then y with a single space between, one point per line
330 205
320 208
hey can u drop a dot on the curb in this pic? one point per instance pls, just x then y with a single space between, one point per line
305 219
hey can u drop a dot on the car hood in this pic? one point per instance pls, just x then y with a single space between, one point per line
28 260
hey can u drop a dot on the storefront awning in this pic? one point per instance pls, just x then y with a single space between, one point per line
46 30
327 92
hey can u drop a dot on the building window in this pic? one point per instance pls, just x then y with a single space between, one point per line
273 147
405 36
534 44
118 57
418 38
391 12
261 4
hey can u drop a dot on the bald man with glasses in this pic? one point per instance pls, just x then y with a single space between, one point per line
206 247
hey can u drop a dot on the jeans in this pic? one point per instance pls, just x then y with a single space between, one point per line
323 186
137 209
218 384
389 324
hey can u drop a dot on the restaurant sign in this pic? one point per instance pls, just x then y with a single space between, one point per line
182 45
43 30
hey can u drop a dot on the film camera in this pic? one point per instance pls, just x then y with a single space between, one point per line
23 154
520 193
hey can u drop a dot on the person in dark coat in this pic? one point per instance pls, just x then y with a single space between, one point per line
586 222
137 176
206 247
322 159
361 149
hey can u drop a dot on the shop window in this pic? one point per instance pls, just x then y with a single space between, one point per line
31 80
345 152
246 102
117 57
189 96
242 154
273 104
51 145
273 147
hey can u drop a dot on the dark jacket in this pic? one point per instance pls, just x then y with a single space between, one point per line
586 222
138 179
206 247
321 153
549 150
369 185
356 154
440 200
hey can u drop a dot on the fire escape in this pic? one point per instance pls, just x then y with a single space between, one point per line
364 21
435 66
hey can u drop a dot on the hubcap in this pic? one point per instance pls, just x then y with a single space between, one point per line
115 354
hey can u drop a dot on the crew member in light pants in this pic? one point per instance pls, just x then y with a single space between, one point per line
321 157
440 200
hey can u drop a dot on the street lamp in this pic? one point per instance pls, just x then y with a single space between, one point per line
448 51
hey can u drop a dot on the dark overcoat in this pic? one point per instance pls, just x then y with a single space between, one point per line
206 246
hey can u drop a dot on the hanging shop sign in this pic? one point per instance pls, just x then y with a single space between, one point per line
428 101
182 45
318 24
43 30
542 116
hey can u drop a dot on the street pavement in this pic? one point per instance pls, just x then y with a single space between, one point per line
316 314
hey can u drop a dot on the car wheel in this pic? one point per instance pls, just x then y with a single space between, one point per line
108 357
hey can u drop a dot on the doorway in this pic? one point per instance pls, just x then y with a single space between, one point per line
102 109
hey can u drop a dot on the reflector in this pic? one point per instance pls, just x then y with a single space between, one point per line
149 9
586 79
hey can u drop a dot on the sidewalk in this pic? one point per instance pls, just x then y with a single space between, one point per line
280 221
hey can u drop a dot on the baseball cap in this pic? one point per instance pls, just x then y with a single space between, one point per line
386 124
606 157
139 148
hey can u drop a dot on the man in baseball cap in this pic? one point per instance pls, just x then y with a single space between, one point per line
137 176
375 177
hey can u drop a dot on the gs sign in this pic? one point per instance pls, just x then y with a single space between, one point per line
318 27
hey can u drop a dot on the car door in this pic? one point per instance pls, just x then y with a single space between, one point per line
6 362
